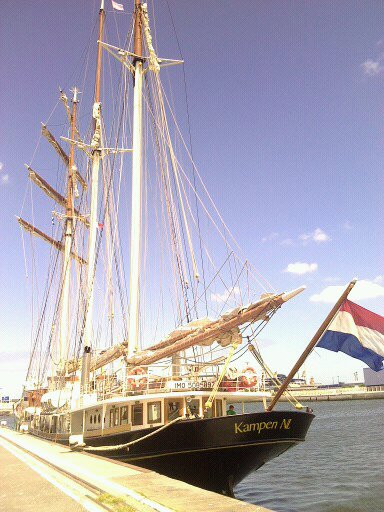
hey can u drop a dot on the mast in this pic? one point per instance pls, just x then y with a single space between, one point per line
64 332
96 157
134 291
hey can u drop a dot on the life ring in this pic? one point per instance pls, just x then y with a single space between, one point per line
138 380
248 378
228 384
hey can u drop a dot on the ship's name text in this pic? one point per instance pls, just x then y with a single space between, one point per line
242 428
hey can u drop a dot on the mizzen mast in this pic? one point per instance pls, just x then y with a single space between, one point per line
134 288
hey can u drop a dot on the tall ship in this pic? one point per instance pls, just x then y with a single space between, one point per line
147 307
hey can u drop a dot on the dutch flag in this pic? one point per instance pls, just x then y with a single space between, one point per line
358 333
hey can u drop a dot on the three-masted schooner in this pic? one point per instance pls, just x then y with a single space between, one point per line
163 405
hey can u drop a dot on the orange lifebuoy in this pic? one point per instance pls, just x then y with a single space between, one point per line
138 380
248 378
228 384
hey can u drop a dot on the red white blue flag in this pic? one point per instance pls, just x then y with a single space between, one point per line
358 333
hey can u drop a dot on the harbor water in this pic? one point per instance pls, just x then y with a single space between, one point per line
339 468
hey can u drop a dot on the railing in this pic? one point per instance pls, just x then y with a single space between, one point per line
142 382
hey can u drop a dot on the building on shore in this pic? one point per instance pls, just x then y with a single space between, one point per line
374 381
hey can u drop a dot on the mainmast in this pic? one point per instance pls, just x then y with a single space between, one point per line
64 334
134 291
96 157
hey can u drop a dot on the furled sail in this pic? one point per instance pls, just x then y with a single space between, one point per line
52 193
60 151
36 232
224 330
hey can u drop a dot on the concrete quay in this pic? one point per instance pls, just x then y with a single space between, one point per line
45 476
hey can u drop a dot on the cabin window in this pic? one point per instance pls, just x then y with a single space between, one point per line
154 412
173 410
137 414
99 419
94 419
194 406
114 417
209 412
91 420
124 415
219 408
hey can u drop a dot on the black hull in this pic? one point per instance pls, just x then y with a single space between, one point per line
214 454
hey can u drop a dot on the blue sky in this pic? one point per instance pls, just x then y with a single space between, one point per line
286 106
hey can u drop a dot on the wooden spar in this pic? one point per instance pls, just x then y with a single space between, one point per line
184 340
36 232
45 187
253 313
64 99
51 139
138 33
52 193
117 351
323 327
99 56
60 151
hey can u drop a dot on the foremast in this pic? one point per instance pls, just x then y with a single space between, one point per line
134 288
64 333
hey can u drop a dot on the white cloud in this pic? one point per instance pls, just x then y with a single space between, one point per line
347 225
301 268
4 179
1 166
371 67
379 279
270 237
363 289
223 297
318 236
287 242
332 279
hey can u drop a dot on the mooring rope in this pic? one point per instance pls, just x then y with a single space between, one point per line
125 445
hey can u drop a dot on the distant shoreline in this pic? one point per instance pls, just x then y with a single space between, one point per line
334 394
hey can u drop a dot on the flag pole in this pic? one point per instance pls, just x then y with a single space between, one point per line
311 345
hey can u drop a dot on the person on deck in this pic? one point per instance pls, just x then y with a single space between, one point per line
231 410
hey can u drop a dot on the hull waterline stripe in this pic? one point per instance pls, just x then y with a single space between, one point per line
294 441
